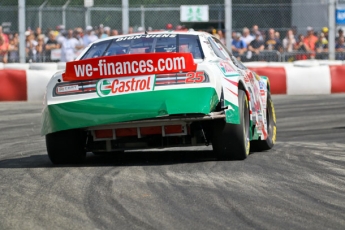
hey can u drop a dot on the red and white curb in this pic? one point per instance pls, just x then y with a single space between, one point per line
23 85
295 80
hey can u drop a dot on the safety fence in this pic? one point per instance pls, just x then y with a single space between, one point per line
157 16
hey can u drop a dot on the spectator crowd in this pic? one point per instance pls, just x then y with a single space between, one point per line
252 44
258 45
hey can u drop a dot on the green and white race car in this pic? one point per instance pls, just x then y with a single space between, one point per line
157 90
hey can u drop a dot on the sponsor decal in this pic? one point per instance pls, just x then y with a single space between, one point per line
246 79
226 68
68 88
262 85
125 85
263 89
146 36
250 76
129 65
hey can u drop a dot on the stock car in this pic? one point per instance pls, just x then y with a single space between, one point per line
157 90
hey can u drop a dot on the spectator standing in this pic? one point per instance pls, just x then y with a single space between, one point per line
221 36
5 36
340 34
89 37
99 31
114 32
256 46
238 46
61 36
105 32
321 46
40 57
50 45
3 49
289 41
78 34
131 29
13 49
340 49
30 47
310 39
277 35
325 32
255 29
302 48
38 33
273 43
69 47
294 30
246 37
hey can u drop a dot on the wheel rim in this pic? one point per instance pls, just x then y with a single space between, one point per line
269 120
246 127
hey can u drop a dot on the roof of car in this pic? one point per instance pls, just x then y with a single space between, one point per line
154 32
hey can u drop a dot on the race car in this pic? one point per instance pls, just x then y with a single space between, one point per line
157 90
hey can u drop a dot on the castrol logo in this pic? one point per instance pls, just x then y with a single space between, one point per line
125 85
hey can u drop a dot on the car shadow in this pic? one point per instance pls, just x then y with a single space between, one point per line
133 158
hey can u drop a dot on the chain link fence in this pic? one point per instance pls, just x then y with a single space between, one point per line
156 16
280 15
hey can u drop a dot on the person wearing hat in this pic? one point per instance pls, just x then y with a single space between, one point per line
169 27
3 49
321 47
238 46
89 36
5 36
325 32
310 39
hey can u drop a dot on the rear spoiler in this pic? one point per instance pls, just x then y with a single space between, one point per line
128 65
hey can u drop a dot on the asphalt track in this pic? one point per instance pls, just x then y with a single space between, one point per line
299 184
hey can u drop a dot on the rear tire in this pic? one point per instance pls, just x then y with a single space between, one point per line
231 141
66 147
262 145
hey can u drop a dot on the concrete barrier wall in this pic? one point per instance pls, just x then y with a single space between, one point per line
27 82
23 85
311 80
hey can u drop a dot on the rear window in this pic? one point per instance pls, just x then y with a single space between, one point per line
147 43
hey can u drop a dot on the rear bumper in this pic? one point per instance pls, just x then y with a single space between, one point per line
128 107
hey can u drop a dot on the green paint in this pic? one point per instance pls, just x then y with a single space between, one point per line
254 135
232 115
127 107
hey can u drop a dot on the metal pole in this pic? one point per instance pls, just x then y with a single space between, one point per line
220 16
40 13
331 31
87 17
21 29
64 13
228 22
142 17
125 17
